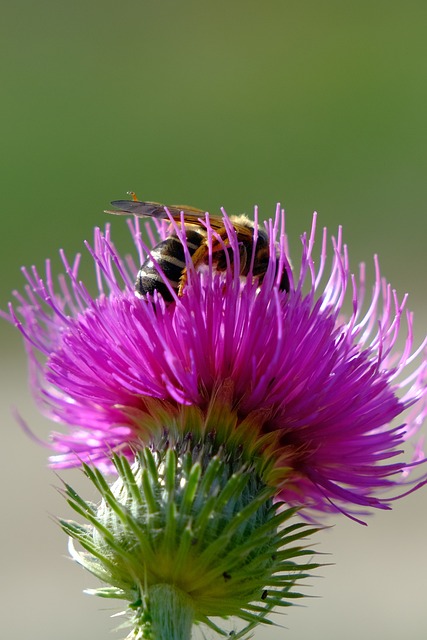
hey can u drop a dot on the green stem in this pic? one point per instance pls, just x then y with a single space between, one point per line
172 613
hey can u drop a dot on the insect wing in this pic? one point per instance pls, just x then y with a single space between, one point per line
158 210
192 215
140 209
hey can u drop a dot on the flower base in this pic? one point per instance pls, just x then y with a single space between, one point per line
187 533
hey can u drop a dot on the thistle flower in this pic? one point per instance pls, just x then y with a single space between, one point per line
238 403
310 378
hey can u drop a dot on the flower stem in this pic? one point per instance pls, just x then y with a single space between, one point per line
172 613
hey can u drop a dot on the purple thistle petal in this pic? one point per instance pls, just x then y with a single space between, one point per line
321 361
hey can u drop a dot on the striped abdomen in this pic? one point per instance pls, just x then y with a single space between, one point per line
169 255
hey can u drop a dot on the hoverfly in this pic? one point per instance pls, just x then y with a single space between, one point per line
169 253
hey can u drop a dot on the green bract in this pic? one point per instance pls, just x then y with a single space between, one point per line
187 534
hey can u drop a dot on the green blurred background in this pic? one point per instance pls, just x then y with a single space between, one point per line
318 105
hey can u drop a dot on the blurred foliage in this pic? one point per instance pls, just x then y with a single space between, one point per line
317 105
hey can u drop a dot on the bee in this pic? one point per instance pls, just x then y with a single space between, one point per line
169 254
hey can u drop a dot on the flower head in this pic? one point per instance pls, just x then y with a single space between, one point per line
310 378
